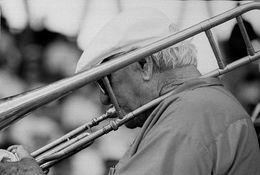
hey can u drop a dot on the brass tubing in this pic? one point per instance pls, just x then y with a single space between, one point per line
215 49
63 139
95 121
59 156
61 146
234 65
249 47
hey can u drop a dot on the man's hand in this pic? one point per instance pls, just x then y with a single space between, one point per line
25 166
19 151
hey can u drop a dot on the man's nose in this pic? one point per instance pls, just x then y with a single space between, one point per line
105 100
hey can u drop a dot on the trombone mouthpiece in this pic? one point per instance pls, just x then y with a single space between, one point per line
111 112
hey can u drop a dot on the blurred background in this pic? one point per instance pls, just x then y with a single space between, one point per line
41 41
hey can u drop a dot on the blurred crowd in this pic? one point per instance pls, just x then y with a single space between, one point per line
31 59
244 82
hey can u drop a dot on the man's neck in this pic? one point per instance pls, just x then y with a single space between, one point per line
175 76
168 80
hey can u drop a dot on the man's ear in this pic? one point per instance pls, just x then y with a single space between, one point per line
146 67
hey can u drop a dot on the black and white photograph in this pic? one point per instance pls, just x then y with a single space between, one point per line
129 87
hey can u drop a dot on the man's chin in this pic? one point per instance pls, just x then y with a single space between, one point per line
139 120
131 124
135 122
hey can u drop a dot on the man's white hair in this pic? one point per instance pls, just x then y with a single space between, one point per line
181 54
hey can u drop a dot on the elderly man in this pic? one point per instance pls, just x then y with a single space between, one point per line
201 129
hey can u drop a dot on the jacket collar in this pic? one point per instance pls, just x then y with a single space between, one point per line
183 85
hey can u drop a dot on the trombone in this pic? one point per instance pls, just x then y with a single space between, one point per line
16 107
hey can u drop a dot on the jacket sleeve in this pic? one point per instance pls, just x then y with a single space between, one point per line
26 166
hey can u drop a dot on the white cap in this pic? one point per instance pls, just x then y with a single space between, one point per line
130 30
